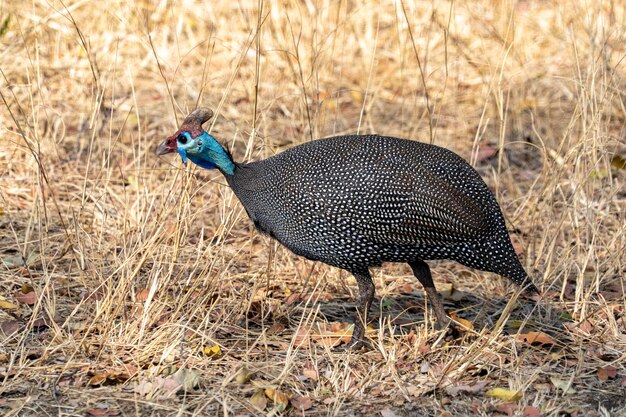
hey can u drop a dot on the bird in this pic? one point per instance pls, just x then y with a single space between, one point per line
357 201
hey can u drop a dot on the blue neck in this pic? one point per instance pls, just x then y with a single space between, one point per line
213 156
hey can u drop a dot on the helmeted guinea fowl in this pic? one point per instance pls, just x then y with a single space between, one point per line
357 201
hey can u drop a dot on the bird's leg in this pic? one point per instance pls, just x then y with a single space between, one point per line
364 300
422 273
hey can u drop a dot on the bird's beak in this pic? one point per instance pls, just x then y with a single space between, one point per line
167 146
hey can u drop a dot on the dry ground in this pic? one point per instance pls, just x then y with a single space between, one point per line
133 286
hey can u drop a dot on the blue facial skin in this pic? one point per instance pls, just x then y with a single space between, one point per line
206 152
183 155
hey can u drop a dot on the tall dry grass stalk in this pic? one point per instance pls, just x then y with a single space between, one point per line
138 263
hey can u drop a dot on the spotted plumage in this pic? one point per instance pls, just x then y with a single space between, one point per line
357 201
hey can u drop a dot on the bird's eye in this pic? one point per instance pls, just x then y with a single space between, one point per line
182 139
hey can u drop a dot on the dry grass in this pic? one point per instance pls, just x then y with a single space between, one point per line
137 264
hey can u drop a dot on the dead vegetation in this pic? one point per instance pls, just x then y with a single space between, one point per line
133 286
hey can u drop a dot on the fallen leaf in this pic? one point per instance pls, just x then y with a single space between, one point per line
144 388
276 328
142 295
95 295
212 352
300 402
563 385
244 376
9 327
28 297
570 291
302 337
530 411
115 375
5 305
331 334
12 261
507 408
464 325
187 378
504 394
280 399
585 327
539 338
261 294
98 378
424 347
167 386
388 412
457 388
98 412
259 400
310 373
41 323
293 298
611 295
608 372
415 391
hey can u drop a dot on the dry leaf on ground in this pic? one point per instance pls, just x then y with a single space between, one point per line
6 305
507 408
120 374
584 327
388 412
280 399
29 297
310 373
187 378
530 411
464 325
563 385
142 295
608 372
244 376
539 338
10 326
504 394
331 334
259 400
457 388
212 352
158 387
102 412
301 402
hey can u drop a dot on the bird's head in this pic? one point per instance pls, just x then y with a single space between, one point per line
191 141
